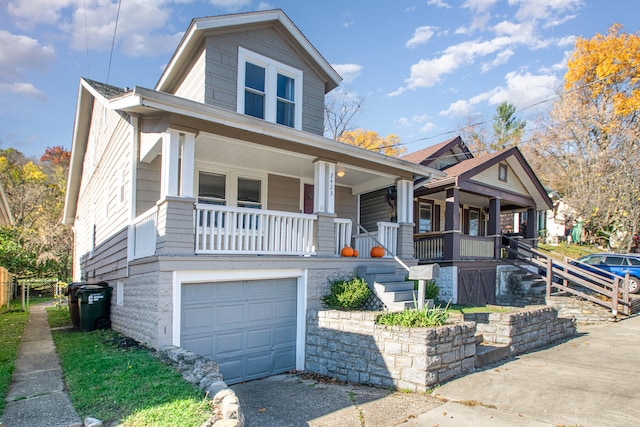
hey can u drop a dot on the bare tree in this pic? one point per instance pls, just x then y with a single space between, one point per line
340 110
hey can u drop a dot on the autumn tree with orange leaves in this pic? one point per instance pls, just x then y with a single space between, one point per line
587 148
370 140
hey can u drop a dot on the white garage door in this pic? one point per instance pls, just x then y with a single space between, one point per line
248 327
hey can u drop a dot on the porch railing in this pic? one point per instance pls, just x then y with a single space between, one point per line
145 234
387 235
431 247
343 230
477 247
231 230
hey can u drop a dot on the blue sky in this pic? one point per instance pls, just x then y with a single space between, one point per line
423 67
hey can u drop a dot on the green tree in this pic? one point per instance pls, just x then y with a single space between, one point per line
507 129
35 193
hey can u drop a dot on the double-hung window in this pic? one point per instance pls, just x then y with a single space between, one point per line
269 90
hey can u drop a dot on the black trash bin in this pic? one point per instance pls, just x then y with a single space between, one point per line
94 306
72 288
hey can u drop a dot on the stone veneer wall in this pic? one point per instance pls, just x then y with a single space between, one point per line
582 310
448 284
523 330
351 347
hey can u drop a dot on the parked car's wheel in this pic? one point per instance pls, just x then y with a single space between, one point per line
634 285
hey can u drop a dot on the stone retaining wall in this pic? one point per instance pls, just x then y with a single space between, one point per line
351 347
523 330
582 310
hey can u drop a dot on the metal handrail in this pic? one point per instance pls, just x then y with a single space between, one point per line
395 257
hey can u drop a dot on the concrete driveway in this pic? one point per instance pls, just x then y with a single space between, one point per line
590 380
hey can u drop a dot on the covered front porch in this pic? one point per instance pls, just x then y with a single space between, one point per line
214 194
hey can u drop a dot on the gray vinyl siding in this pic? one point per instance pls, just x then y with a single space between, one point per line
192 87
283 193
148 185
374 208
346 204
221 74
104 197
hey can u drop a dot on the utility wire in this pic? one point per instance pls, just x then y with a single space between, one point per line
113 41
535 104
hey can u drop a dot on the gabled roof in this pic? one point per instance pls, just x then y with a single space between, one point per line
462 174
200 27
428 155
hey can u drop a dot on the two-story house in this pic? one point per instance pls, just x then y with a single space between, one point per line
214 206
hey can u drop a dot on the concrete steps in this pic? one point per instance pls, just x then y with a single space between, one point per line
392 289
488 354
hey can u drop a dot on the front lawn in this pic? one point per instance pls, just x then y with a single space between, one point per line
123 384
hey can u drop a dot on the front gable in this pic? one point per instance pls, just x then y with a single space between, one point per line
210 67
502 176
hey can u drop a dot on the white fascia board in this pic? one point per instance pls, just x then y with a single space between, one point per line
200 25
143 97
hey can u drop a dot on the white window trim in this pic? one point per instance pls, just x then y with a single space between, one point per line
272 69
231 184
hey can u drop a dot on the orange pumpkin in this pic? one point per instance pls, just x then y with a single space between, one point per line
347 251
377 252
355 253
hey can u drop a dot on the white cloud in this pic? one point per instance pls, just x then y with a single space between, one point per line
542 10
428 127
230 4
524 90
438 3
20 53
478 6
421 36
348 72
567 41
426 73
31 12
458 108
500 59
22 88
422 120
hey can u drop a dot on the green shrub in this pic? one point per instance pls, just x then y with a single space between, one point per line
414 318
432 290
347 294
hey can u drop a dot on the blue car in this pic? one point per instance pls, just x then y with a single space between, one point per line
618 264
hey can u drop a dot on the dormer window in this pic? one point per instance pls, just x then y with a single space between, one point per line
269 90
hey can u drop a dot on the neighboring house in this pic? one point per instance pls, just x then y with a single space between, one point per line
460 218
214 206
5 212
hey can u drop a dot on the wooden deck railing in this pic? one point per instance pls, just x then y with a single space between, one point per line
476 247
567 277
431 247
231 230
343 231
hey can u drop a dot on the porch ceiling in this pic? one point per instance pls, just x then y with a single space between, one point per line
227 152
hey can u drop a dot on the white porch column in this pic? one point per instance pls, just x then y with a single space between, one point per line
187 158
404 201
324 187
170 162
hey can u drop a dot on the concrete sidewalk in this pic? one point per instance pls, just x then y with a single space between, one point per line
590 380
36 397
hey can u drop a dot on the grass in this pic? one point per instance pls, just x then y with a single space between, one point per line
128 386
572 251
462 309
416 318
